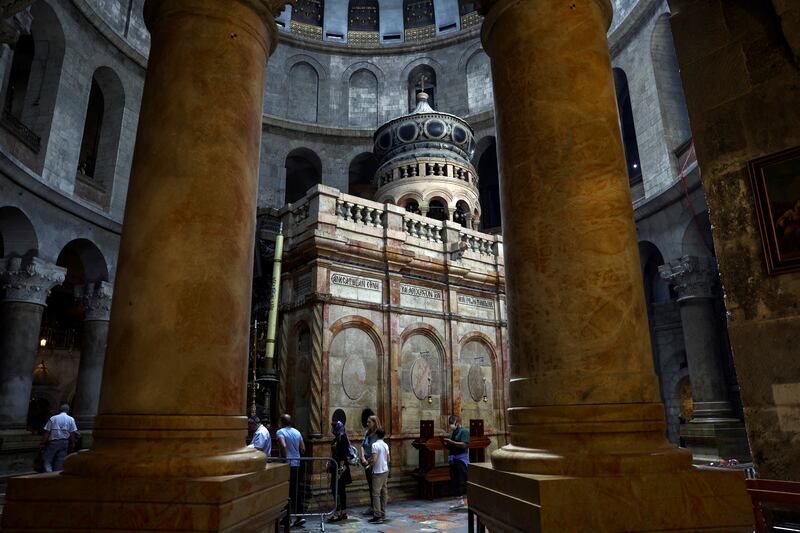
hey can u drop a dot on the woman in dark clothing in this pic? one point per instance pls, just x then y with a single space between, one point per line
340 451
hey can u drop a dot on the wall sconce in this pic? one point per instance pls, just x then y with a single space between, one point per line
430 398
485 397
42 342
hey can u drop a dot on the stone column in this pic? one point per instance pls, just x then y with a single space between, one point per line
97 299
171 416
27 283
584 408
714 432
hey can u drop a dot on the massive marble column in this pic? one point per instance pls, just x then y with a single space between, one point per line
587 447
97 300
171 417
714 431
27 283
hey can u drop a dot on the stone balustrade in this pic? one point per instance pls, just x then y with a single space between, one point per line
349 208
427 229
430 168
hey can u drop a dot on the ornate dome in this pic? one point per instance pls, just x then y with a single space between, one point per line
425 164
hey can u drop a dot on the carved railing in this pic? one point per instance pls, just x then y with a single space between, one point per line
432 168
477 244
427 229
351 211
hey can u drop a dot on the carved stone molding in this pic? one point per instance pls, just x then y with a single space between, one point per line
692 276
97 299
29 279
484 6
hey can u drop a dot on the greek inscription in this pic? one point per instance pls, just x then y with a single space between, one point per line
423 292
354 281
475 302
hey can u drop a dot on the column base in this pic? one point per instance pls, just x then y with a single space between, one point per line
18 448
690 500
712 440
241 503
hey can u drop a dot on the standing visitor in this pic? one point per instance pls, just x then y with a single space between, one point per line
370 436
262 440
292 447
340 451
379 461
458 447
59 432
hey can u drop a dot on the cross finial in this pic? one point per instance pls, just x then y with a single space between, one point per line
422 82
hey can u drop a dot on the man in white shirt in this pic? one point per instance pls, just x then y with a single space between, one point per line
379 462
262 440
59 432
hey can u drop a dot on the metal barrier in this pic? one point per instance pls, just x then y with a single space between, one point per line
310 494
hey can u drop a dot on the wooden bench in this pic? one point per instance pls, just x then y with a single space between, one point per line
763 491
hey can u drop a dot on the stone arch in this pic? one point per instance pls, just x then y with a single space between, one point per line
627 126
362 99
303 104
438 205
17 235
355 367
93 264
99 150
361 172
656 289
671 100
303 171
322 72
413 196
423 376
478 75
45 77
411 73
696 238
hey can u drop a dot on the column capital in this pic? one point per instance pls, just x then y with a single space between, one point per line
29 279
97 299
692 276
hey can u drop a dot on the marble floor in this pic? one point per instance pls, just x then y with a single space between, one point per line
401 517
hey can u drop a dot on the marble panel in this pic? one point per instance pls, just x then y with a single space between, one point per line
353 374
353 287
475 306
419 297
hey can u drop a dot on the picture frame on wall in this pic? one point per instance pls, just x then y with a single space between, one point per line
775 179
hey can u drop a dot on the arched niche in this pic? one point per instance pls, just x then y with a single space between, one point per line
480 95
477 386
423 379
360 174
303 91
354 369
419 77
17 235
303 171
362 99
656 289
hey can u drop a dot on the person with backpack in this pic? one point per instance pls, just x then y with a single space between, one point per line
342 453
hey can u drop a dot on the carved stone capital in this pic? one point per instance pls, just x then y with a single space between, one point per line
97 299
29 279
692 276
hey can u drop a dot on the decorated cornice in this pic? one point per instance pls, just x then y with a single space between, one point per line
267 10
29 279
692 276
96 298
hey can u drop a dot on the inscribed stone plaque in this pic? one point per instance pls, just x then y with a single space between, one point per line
469 305
358 288
419 297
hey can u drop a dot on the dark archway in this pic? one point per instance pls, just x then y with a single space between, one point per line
628 129
489 185
362 170
303 171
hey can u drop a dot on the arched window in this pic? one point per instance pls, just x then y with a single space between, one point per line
461 214
628 129
489 185
87 161
303 92
418 13
363 15
421 76
97 160
479 83
308 11
19 76
363 99
362 170
437 209
412 206
303 171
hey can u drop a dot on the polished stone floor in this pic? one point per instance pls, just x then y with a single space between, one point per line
401 517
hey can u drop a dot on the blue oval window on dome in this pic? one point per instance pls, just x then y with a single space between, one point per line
459 134
407 132
385 140
435 129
